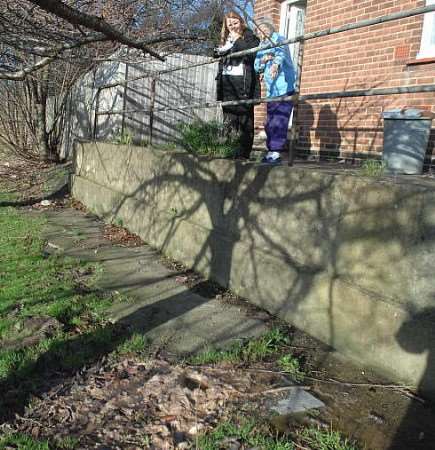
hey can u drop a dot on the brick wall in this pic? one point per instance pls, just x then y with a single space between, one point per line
373 57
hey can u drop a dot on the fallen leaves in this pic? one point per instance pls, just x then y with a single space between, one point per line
121 236
135 402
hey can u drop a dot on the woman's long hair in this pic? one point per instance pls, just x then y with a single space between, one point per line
225 32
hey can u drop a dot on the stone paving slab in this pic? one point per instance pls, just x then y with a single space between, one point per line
166 310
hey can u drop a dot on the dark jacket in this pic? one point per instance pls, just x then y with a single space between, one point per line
239 87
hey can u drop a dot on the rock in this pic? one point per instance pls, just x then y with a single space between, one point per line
51 249
297 400
377 418
196 429
230 443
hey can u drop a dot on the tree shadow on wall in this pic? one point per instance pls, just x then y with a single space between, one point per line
239 224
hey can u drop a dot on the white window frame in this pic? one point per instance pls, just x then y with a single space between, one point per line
283 15
427 48
284 18
293 48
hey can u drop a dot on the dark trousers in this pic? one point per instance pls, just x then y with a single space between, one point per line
278 116
241 123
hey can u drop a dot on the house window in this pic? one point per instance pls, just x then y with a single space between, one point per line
427 49
292 24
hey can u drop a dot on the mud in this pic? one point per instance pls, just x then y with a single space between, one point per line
379 418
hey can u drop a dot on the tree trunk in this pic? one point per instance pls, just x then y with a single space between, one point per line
41 133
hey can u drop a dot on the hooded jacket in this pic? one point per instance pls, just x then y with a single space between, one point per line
285 81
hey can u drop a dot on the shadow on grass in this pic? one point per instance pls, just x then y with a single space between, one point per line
61 359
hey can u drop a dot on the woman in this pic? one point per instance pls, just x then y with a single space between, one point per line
276 68
237 80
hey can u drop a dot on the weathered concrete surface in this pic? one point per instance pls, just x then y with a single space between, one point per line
345 258
167 311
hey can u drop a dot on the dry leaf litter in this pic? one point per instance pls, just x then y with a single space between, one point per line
137 405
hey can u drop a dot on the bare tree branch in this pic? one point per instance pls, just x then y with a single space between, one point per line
76 17
20 75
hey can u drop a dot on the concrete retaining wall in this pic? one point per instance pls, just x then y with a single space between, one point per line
345 258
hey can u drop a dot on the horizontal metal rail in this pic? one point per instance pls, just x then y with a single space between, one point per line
306 37
294 97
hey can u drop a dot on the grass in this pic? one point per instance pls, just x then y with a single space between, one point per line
37 286
318 439
244 352
21 441
252 434
7 194
209 138
123 138
373 168
137 344
247 433
270 344
34 285
289 364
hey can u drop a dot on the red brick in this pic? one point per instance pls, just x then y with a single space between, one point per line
372 57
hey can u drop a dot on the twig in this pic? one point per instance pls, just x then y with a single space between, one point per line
297 347
411 395
274 391
347 383
333 381
402 389
28 419
274 372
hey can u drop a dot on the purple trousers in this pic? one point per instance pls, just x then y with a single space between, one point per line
278 116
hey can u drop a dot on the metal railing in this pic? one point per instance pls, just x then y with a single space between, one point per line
296 98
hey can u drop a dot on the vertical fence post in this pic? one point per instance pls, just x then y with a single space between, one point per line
97 106
152 103
294 129
96 101
124 98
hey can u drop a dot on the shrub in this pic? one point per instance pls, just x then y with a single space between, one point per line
209 138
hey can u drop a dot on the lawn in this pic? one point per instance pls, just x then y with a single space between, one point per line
52 318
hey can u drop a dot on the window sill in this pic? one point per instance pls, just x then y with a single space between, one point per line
416 62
